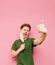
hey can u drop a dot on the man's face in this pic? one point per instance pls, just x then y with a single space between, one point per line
25 31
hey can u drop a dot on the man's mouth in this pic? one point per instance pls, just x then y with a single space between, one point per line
25 33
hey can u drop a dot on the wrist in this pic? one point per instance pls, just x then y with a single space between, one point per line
20 49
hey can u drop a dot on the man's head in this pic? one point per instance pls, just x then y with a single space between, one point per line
25 29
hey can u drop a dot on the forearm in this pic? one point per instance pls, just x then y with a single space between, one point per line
15 53
42 38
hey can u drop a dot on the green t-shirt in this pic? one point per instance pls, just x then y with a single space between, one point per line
24 57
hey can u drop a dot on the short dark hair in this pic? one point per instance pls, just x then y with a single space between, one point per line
27 25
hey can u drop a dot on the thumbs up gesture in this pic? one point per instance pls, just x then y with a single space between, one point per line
41 27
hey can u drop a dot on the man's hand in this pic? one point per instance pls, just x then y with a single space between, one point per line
41 27
22 47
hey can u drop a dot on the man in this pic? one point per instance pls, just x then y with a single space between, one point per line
23 48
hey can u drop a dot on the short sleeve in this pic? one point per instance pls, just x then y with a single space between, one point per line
33 42
14 46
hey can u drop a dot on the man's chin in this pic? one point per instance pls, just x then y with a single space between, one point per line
25 36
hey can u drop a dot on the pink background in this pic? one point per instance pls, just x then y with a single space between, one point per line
15 12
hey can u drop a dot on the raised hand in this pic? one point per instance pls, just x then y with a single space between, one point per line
41 27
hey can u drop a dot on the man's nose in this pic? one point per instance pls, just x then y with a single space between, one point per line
26 32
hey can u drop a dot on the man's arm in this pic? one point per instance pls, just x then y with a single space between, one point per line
40 40
41 29
15 53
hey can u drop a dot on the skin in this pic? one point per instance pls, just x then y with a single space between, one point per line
25 31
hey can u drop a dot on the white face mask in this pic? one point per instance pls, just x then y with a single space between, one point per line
21 37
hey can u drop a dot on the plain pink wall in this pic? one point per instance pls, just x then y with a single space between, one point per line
15 12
